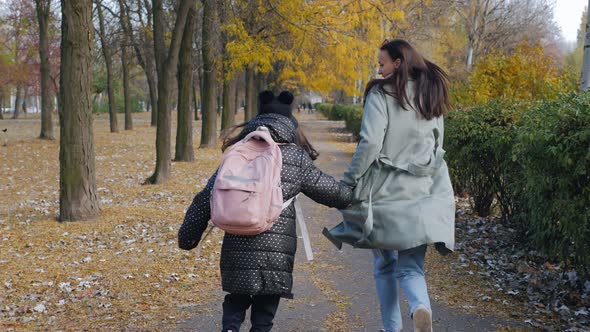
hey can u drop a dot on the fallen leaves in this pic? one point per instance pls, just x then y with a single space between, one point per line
512 279
122 271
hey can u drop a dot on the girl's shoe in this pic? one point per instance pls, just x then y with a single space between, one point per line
422 319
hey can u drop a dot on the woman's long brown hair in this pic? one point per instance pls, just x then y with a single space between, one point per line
301 141
431 97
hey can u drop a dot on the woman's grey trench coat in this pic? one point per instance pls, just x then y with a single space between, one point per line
403 196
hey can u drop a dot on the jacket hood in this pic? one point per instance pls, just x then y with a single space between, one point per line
281 128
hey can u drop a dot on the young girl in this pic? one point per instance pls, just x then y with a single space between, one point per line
256 270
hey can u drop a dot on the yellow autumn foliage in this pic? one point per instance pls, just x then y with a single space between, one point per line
330 45
525 74
322 45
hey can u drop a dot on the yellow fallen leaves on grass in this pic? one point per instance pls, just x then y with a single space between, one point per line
121 271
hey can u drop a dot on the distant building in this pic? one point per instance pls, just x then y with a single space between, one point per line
312 97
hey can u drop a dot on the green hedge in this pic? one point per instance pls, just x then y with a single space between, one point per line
103 107
350 114
553 148
353 119
323 108
339 111
479 144
533 161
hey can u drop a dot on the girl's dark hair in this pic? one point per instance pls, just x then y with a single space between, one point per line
431 97
304 143
228 140
302 140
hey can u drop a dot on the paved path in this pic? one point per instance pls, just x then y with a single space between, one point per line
335 292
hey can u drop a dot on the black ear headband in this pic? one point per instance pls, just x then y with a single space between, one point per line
268 96
281 104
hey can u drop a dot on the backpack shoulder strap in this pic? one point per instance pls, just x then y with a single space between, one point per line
198 253
288 202
304 232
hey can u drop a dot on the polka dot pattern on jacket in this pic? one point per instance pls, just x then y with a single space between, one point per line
263 264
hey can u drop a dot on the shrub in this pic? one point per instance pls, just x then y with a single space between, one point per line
553 149
103 107
323 108
534 160
479 145
98 107
351 114
339 111
353 120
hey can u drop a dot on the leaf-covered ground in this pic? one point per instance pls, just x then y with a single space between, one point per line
121 271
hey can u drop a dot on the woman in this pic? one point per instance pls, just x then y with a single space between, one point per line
403 199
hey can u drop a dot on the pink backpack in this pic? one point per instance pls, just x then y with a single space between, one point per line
247 197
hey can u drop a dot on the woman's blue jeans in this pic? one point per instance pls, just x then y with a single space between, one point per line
403 269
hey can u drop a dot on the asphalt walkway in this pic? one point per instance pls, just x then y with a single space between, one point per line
335 291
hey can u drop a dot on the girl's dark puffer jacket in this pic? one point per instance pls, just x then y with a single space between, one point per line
263 264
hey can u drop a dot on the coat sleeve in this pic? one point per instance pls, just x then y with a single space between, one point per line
196 218
373 127
323 188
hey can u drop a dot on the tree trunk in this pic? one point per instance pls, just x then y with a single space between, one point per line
209 81
1 106
237 78
43 12
106 52
261 83
78 199
17 102
126 88
586 64
150 66
25 96
153 87
184 129
125 62
146 61
166 62
219 98
229 112
251 94
195 99
469 61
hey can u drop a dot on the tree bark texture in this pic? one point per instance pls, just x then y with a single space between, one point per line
125 63
209 78
228 114
17 102
144 55
251 94
108 59
78 199
166 62
195 98
126 88
43 12
184 130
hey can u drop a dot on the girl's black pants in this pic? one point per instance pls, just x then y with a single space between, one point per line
264 308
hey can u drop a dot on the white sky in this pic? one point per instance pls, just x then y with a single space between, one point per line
568 14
